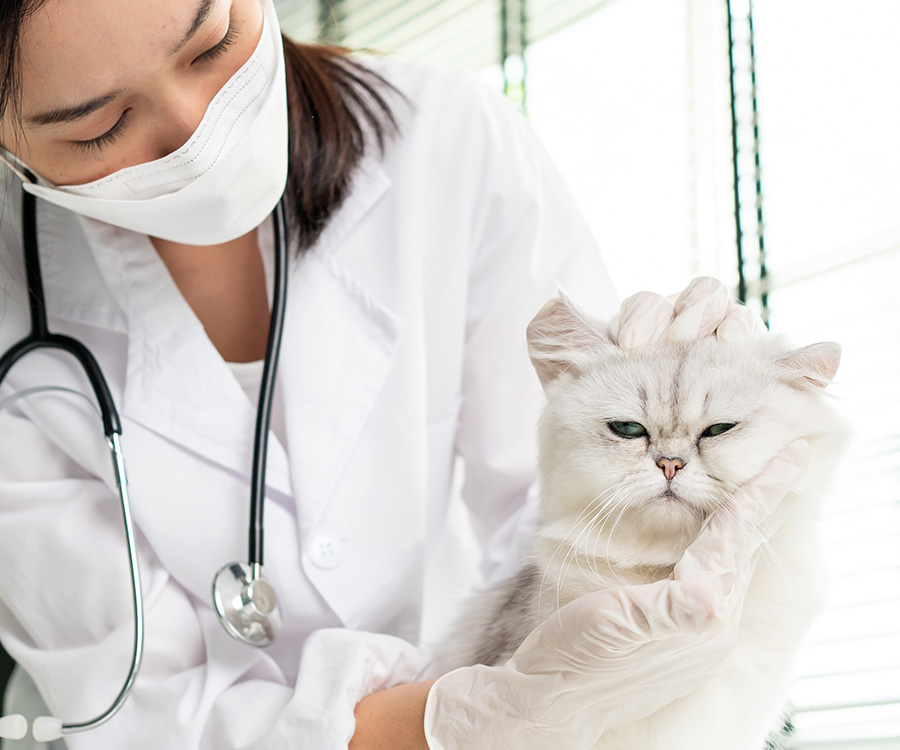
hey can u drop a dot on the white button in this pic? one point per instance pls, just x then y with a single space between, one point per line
326 551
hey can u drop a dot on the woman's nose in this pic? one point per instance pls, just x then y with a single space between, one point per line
182 114
178 134
670 466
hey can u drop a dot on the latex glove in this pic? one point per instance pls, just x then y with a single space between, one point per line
706 307
617 655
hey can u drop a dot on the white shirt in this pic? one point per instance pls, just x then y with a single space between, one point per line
404 347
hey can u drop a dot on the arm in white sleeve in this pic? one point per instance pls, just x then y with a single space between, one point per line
65 616
530 241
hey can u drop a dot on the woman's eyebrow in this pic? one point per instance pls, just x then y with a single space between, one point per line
202 14
79 111
70 114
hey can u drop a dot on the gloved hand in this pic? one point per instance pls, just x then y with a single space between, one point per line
617 655
705 308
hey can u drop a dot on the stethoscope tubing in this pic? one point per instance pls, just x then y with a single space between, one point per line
41 338
267 389
137 601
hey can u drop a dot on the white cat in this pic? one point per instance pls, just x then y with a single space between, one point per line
637 448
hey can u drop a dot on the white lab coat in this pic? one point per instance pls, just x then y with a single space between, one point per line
403 348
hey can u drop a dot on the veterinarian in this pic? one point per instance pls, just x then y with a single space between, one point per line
148 145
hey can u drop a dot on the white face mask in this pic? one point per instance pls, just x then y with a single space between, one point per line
219 185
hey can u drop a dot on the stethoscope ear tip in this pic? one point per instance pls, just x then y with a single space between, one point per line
46 729
13 727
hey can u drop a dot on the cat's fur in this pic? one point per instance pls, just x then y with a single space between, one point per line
610 516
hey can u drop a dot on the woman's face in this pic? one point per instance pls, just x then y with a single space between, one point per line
107 84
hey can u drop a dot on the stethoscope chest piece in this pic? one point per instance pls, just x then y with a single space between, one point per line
246 604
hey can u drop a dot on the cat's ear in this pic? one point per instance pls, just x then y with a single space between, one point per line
812 366
560 339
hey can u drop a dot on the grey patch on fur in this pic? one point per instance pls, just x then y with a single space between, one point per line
642 395
503 635
676 387
493 623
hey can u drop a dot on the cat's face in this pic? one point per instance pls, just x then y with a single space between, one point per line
638 447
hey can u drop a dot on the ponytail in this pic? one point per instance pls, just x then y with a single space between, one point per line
337 108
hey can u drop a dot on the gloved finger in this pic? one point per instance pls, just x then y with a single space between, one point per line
739 325
700 309
655 611
603 627
757 499
643 319
728 539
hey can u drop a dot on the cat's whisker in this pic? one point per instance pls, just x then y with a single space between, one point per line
596 523
599 523
781 572
589 508
572 554
600 512
619 505
609 539
767 550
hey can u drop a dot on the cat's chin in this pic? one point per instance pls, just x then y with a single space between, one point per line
660 530
670 514
653 531
671 501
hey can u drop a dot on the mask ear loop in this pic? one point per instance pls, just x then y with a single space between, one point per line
18 167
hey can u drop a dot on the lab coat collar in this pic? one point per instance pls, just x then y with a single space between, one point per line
78 278
177 384
337 347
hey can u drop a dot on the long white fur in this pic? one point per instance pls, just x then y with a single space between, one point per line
605 520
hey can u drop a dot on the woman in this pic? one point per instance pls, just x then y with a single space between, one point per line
427 228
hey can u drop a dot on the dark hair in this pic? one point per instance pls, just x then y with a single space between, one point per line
12 15
337 108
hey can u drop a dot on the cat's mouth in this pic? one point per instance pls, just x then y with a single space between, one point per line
671 497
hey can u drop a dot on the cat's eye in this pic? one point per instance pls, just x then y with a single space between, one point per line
717 429
628 429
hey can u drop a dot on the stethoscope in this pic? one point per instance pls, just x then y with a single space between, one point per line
245 602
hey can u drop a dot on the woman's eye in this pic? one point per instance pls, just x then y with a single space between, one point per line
628 429
717 429
230 38
106 139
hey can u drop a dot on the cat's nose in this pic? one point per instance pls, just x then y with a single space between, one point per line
670 466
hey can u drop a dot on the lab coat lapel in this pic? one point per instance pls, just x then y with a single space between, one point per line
339 342
177 384
338 346
336 350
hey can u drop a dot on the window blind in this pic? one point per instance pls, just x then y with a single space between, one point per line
632 103
464 33
831 161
